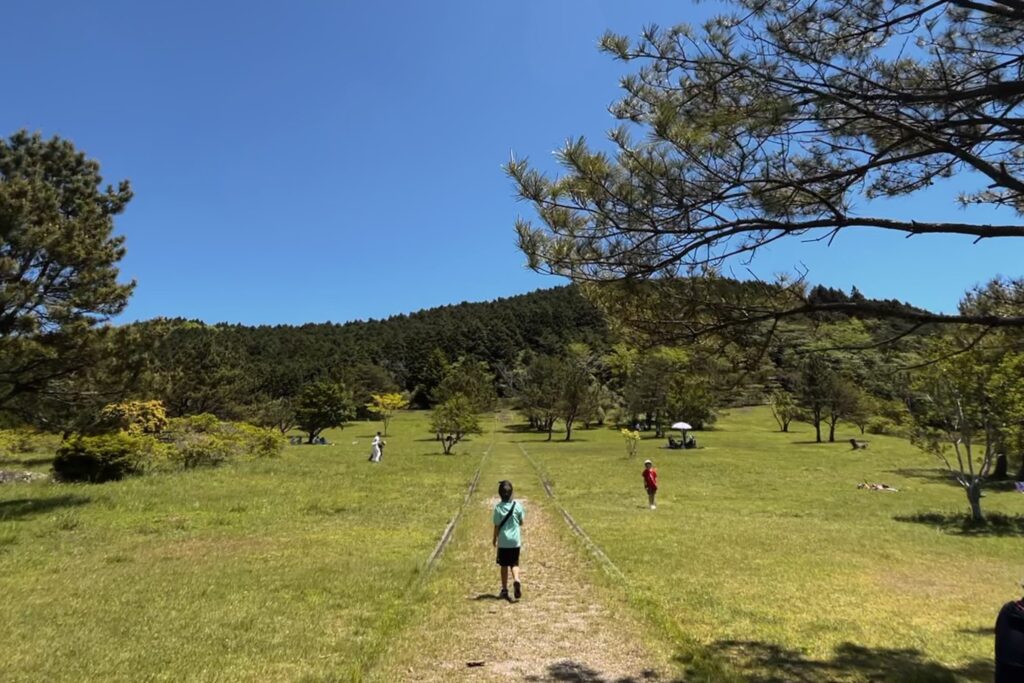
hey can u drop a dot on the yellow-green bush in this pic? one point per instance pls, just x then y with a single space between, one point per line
24 440
134 417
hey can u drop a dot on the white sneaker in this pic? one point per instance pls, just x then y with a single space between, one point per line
654 507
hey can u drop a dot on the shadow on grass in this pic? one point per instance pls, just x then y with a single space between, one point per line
26 507
568 670
961 525
760 662
26 461
936 474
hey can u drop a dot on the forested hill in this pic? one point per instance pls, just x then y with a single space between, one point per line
216 361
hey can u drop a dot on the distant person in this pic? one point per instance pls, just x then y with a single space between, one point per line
508 522
1010 643
650 476
376 448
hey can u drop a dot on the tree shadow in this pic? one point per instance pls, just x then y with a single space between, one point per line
761 662
20 508
568 670
987 631
995 524
936 474
27 461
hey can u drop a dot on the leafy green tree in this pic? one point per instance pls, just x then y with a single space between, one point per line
453 420
780 121
784 408
58 267
384 406
578 388
199 369
841 402
472 379
647 390
322 405
275 413
365 380
690 398
539 397
815 391
955 417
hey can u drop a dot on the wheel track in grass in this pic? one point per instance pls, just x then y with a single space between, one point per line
446 535
594 549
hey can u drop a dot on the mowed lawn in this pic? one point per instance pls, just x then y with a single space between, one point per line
294 568
765 562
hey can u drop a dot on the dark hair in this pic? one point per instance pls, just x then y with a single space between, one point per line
505 490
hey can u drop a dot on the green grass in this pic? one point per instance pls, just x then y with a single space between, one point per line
763 562
294 568
765 557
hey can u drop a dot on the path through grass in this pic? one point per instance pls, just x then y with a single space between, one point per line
569 626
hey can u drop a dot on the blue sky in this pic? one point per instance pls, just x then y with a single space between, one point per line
315 160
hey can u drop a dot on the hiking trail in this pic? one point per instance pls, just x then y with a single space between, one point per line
571 625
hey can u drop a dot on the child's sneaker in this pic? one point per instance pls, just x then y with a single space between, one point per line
517 590
503 594
654 507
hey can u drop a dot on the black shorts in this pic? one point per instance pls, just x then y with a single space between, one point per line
508 557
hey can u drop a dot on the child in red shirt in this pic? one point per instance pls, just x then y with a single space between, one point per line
650 476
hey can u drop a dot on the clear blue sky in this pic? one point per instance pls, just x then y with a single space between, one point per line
317 160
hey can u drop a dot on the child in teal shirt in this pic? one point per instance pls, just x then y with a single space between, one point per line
508 521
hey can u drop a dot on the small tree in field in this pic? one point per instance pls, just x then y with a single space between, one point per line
784 408
955 418
321 406
385 406
632 441
452 420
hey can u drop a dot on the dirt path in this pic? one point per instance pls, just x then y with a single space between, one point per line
570 625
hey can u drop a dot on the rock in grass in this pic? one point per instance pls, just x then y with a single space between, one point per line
9 476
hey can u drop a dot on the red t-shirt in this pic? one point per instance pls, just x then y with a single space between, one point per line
651 479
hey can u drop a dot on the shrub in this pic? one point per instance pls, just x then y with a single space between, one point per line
134 417
881 425
17 441
205 441
106 457
261 442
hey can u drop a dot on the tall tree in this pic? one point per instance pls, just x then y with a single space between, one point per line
472 379
539 396
577 385
957 418
781 121
58 266
321 406
815 390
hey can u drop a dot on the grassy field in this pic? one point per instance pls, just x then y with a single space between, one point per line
765 561
294 568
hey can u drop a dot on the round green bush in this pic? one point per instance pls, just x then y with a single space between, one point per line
107 457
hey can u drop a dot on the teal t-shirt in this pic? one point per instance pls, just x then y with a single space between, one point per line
508 535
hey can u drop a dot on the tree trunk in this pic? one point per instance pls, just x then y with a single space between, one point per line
551 428
785 426
974 498
1020 472
568 430
817 430
832 432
